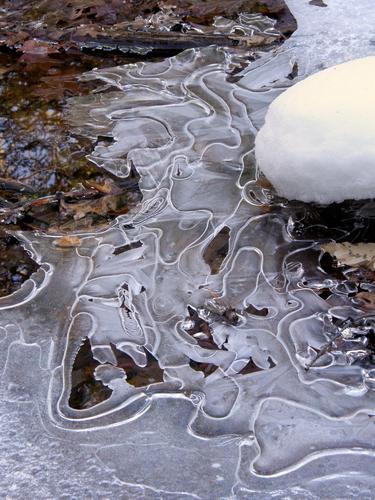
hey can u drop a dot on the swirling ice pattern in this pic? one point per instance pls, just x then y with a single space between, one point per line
260 423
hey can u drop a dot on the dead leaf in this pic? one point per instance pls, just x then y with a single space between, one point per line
100 206
264 183
352 255
40 48
106 187
367 300
4 70
68 242
318 3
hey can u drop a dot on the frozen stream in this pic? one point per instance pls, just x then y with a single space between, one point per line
268 419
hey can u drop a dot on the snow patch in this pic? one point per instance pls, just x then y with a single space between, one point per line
318 140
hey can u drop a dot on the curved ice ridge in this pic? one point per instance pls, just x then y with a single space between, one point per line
187 126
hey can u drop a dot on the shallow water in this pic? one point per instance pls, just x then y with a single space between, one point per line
267 385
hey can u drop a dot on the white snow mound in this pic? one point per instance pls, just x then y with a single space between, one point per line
318 140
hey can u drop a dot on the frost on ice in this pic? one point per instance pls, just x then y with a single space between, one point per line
318 141
241 342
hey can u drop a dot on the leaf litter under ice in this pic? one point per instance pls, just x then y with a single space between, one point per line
286 406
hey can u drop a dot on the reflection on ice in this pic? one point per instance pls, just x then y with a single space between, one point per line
211 278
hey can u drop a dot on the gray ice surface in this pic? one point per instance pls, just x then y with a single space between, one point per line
280 431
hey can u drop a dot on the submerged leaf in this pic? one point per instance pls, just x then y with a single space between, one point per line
353 255
366 300
68 241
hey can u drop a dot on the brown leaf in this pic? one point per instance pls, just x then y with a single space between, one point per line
68 242
99 206
367 300
4 70
106 187
92 30
353 255
15 38
39 47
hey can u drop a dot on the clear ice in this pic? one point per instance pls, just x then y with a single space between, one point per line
268 422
